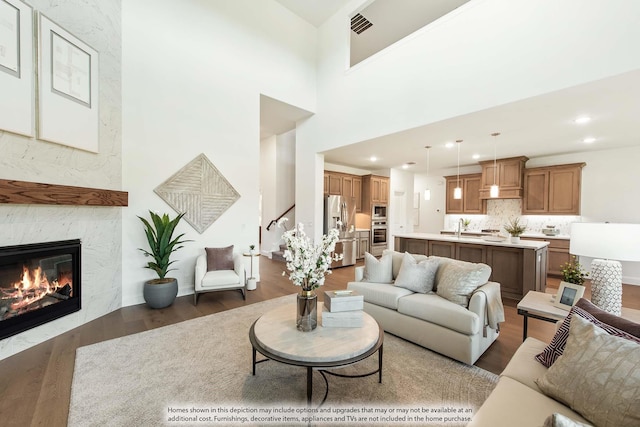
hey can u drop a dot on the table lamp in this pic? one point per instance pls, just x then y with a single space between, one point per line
609 244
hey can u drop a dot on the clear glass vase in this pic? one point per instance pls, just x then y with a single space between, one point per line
307 316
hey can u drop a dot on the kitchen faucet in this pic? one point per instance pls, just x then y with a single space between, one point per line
460 227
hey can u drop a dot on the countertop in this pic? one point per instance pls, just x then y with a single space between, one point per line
527 235
524 244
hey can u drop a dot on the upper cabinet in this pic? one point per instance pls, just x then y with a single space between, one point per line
375 190
342 184
552 190
508 174
470 202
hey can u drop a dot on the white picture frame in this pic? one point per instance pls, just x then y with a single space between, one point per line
17 68
568 294
67 88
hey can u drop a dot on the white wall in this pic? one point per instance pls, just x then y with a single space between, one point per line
400 204
431 212
98 24
193 72
485 53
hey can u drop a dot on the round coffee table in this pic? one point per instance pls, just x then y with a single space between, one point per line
275 336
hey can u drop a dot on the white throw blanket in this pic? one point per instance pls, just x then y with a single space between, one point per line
495 309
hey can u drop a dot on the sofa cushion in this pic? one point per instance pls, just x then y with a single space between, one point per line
556 347
377 270
397 258
598 376
380 294
512 403
437 310
417 276
459 280
219 258
220 278
523 366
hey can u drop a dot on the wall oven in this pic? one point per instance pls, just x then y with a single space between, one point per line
379 233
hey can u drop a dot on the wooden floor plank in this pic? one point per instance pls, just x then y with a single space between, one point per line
35 385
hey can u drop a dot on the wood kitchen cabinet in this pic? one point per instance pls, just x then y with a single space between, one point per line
332 183
508 176
375 190
470 202
557 254
342 184
362 243
552 190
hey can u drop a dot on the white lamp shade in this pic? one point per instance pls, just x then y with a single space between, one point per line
457 193
494 191
620 242
427 194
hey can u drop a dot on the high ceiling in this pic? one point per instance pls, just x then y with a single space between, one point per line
535 127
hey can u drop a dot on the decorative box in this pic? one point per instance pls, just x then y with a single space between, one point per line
336 301
341 319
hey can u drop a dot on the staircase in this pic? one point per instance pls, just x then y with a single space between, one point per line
279 254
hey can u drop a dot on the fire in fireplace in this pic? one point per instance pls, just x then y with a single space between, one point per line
38 283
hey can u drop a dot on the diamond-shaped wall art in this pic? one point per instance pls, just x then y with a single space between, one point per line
199 190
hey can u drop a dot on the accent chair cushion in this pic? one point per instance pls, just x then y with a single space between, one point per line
377 270
417 276
220 279
458 281
219 258
556 347
598 376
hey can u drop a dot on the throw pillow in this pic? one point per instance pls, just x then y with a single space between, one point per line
219 258
417 276
598 376
556 347
397 258
458 281
621 323
377 270
559 420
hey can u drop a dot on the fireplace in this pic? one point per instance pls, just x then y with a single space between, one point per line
38 283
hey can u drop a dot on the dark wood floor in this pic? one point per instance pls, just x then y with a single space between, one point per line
35 385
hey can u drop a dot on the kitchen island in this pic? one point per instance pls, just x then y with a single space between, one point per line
518 267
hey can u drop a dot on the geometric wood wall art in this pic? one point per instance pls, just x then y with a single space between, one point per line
199 190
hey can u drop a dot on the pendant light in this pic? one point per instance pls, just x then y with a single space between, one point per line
457 192
427 192
495 190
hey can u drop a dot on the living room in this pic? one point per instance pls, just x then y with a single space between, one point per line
178 79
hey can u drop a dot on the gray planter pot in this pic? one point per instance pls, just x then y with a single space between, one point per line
160 293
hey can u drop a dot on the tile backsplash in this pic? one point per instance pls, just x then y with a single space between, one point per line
502 210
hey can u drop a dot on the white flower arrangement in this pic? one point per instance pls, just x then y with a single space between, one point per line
308 263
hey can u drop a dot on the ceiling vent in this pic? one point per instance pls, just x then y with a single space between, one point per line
359 24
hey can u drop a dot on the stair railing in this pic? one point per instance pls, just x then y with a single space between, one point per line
275 221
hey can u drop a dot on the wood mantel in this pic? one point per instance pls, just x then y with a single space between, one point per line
23 192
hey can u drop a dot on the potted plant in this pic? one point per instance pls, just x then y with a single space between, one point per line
572 272
161 292
515 229
465 223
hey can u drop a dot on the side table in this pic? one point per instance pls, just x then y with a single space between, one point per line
538 305
251 281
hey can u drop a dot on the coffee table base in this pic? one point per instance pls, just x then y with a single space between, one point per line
321 367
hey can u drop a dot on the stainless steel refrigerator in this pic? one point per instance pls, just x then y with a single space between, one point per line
342 209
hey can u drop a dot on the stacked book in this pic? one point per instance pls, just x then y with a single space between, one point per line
342 309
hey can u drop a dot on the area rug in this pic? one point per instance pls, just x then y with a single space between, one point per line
198 372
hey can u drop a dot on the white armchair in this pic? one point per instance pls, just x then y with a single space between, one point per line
219 280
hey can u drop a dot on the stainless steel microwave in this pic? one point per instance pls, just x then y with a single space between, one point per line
379 211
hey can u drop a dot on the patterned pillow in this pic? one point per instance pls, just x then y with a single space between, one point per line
597 376
377 270
417 276
556 347
219 258
458 281
559 420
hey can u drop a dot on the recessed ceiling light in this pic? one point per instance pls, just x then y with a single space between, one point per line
476 156
373 158
582 120
589 140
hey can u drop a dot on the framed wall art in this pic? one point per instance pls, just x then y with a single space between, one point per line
16 67
67 88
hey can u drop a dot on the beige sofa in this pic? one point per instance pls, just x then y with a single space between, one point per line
517 397
429 320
